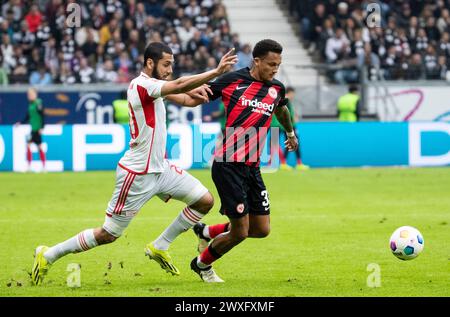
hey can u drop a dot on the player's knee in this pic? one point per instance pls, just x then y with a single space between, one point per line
209 201
260 232
104 237
264 232
109 238
204 204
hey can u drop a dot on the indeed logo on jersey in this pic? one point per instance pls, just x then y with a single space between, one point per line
258 106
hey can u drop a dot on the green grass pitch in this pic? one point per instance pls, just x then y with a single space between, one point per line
328 225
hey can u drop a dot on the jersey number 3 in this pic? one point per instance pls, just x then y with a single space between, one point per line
265 202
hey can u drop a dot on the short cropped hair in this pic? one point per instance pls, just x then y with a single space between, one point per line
262 48
353 88
155 51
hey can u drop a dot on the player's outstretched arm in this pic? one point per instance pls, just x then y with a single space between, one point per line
284 117
187 83
192 98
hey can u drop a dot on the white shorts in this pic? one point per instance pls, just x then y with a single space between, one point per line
133 191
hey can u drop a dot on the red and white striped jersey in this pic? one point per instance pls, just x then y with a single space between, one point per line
147 114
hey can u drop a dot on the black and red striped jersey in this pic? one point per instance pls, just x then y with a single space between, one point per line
249 106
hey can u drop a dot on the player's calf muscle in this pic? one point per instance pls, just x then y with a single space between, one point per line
239 234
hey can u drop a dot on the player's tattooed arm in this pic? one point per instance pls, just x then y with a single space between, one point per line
284 117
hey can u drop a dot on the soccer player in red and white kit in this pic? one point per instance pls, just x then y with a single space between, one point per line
251 97
143 172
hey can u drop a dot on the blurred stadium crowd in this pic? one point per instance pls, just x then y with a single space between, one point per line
412 43
37 45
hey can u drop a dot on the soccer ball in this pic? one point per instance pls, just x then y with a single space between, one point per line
406 243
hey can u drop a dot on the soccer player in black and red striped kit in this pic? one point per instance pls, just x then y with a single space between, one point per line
251 96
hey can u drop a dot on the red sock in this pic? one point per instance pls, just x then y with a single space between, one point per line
280 154
42 156
299 161
209 256
215 230
29 156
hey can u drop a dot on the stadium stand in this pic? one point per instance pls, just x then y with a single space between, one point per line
412 43
246 18
38 47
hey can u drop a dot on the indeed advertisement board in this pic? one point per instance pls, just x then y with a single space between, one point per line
99 147
87 107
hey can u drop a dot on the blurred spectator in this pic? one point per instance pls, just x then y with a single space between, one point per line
35 59
107 30
442 69
245 57
20 70
33 18
349 105
89 47
140 15
391 63
170 9
444 21
201 58
120 107
192 10
43 32
371 60
212 63
98 16
194 43
202 20
337 46
85 74
155 8
123 62
432 31
15 7
3 74
40 77
174 44
7 51
106 72
312 24
24 38
185 32
342 14
51 57
431 65
65 75
414 70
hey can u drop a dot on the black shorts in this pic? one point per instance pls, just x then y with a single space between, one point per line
241 189
35 137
